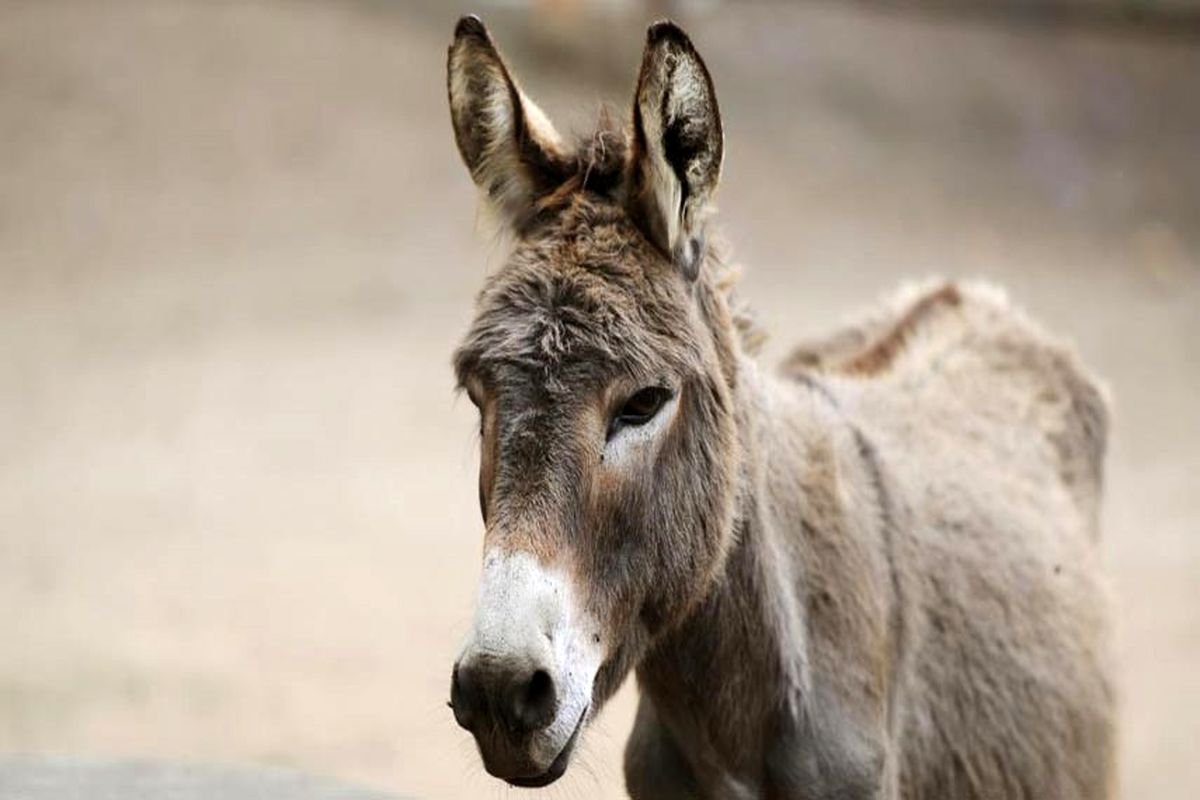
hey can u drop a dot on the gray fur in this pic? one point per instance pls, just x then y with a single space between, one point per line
873 573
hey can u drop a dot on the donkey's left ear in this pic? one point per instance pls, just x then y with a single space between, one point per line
675 161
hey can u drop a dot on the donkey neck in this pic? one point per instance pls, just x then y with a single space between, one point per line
741 656
801 628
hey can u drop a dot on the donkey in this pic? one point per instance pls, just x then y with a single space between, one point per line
871 573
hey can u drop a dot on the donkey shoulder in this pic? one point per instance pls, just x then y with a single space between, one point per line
963 352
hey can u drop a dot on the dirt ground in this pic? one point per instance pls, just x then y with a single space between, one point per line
237 512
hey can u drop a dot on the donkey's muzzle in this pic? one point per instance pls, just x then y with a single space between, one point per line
520 700
506 708
524 681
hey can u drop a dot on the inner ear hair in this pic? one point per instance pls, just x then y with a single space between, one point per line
677 148
511 149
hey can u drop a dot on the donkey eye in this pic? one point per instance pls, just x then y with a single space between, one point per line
640 408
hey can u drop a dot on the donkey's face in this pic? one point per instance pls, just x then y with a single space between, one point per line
599 359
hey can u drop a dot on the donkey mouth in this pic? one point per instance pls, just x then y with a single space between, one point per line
558 766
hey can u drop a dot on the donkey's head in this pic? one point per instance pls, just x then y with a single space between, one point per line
601 359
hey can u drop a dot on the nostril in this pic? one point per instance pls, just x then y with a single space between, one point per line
536 702
541 688
459 698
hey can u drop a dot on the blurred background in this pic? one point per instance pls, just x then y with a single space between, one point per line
237 247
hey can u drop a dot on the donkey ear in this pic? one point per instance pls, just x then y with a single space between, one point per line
675 161
513 152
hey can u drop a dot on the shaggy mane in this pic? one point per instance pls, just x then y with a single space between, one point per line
597 169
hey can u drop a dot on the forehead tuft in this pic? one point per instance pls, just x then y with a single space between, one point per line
585 293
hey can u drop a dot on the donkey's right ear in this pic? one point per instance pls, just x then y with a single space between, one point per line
513 152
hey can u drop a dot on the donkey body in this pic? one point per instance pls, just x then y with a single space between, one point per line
869 574
912 609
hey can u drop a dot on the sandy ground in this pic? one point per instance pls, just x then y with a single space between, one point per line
237 512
